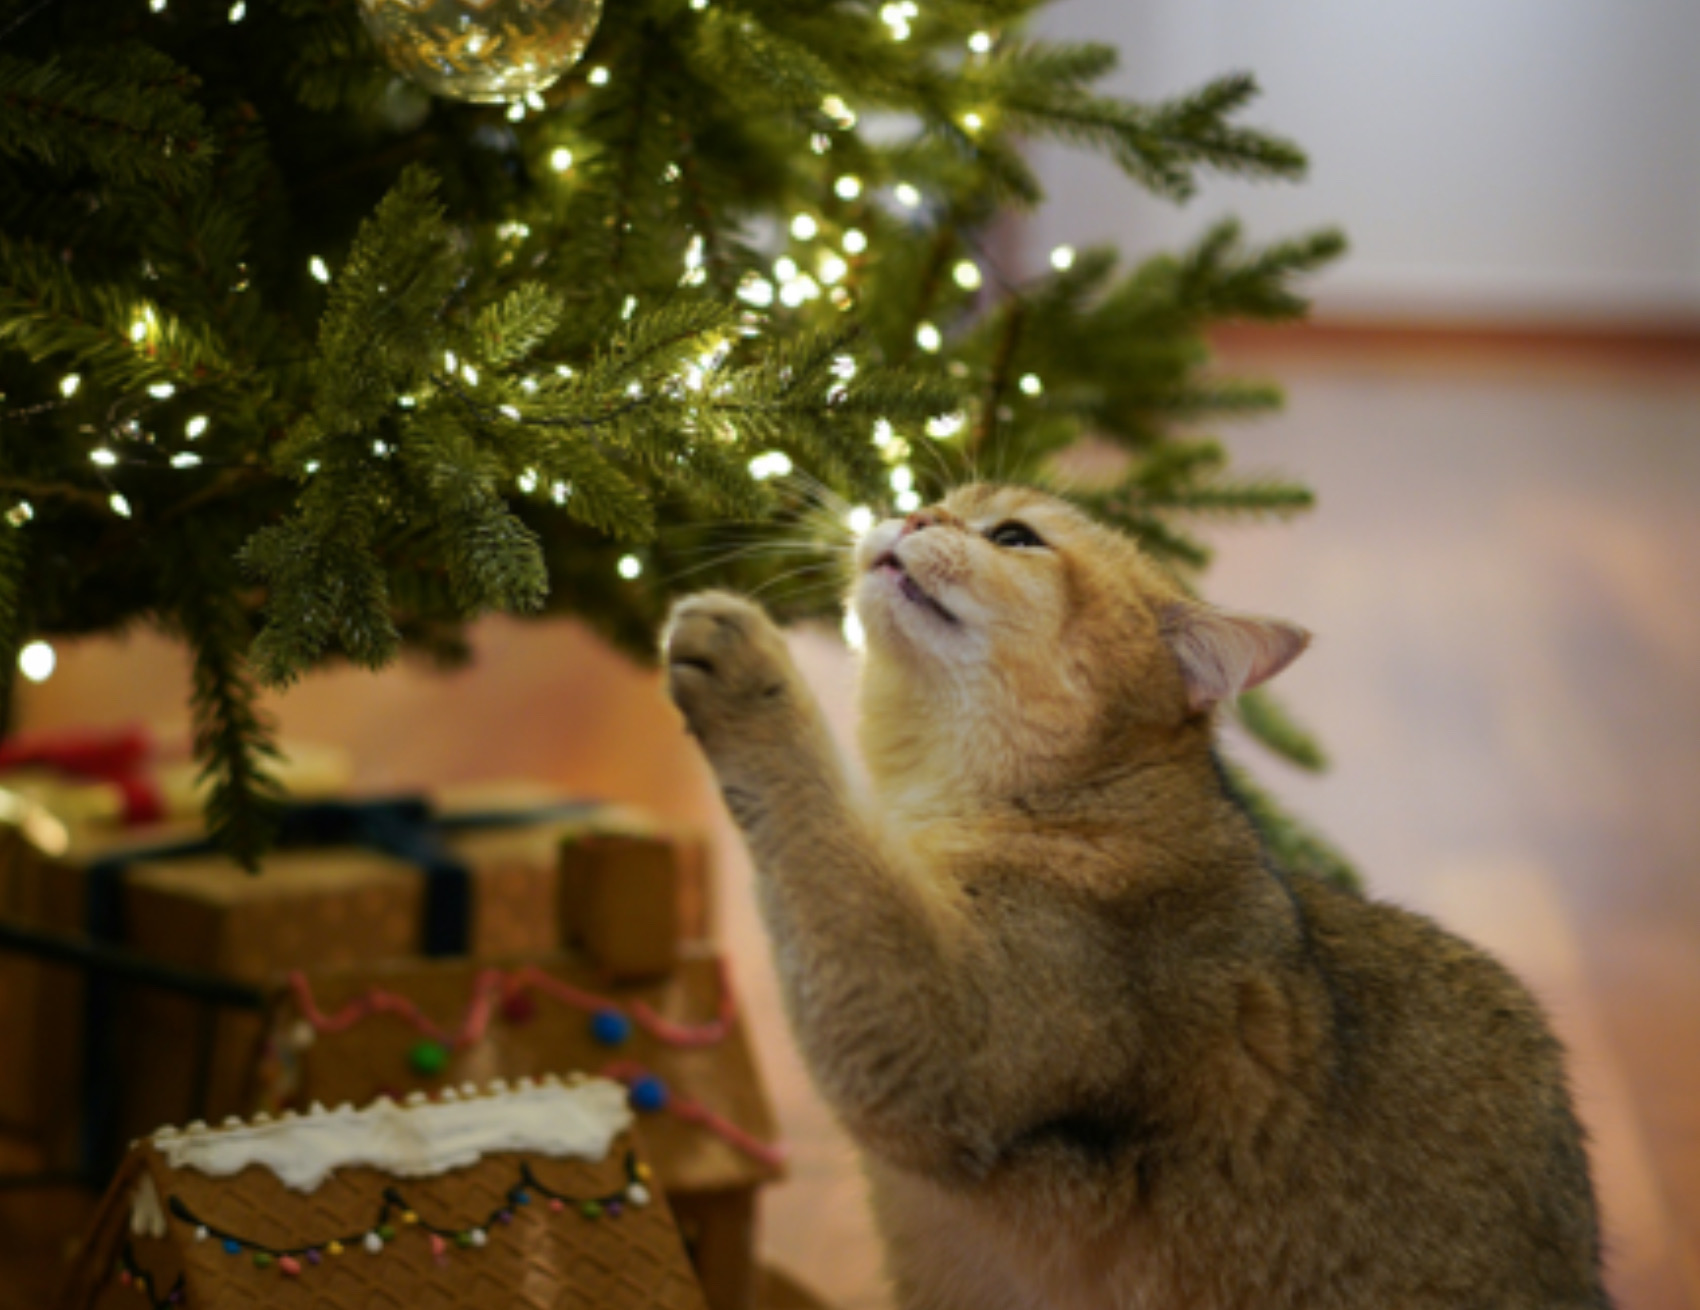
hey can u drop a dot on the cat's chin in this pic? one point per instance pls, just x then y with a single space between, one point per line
900 600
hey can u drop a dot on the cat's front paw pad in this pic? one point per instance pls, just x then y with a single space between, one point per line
725 659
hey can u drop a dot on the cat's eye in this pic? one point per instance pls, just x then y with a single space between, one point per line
1014 535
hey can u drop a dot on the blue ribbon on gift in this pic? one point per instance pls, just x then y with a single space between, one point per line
404 828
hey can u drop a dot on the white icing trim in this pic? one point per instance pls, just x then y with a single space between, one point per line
580 1120
147 1215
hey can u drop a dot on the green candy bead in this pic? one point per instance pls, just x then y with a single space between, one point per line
262 1260
428 1058
590 1210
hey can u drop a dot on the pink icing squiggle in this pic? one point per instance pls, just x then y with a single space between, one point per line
492 989
769 1153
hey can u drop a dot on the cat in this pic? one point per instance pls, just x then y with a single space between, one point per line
1098 1053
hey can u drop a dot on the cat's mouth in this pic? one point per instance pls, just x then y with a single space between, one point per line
912 590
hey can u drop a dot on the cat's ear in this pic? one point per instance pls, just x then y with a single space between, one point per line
1222 652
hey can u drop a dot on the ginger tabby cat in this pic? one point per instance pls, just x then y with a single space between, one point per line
1098 1054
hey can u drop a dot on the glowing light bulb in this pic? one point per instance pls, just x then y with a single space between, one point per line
195 426
37 661
928 338
907 196
848 187
185 460
903 478
908 501
316 267
980 43
785 269
839 112
120 506
238 11
804 227
860 520
832 268
630 566
104 457
973 122
774 464
68 385
855 241
508 411
1062 258
967 275
946 425
1030 384
536 101
527 481
561 159
162 391
757 292
470 374
598 76
854 637
138 331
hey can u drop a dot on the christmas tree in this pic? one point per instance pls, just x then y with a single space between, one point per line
303 359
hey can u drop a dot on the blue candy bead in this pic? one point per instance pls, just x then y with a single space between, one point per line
232 1246
649 1093
610 1027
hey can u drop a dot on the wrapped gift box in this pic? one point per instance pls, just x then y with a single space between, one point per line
481 873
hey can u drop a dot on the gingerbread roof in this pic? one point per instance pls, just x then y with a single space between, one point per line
531 1197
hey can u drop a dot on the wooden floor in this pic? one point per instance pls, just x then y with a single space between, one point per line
1504 579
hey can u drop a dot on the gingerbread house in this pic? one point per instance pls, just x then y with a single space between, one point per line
675 1041
532 1195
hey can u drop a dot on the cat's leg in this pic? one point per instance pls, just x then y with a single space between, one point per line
867 949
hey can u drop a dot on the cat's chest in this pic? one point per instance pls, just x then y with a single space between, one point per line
950 1252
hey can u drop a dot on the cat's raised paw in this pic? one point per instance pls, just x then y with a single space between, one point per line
726 660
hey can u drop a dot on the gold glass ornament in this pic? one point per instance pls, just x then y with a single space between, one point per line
485 50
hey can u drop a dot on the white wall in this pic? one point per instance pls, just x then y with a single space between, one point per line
1490 159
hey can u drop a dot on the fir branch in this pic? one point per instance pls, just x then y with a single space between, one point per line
126 112
232 739
382 323
14 563
1267 720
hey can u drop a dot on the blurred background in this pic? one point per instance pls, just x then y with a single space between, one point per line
1499 406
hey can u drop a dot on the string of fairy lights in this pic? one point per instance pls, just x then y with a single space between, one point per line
819 261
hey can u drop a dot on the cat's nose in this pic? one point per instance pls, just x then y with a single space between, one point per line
932 517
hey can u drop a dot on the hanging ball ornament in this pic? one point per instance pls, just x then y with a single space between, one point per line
486 50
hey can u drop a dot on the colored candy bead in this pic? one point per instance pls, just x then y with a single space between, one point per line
232 1246
438 1246
463 1239
643 1171
289 1266
477 1236
126 1277
519 1196
409 1217
201 1233
614 1209
263 1260
313 1257
610 1027
428 1058
648 1093
387 1232
590 1210
333 1248
506 1216
373 1243
556 1205
637 1194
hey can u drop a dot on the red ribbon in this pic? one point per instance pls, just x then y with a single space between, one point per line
115 756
